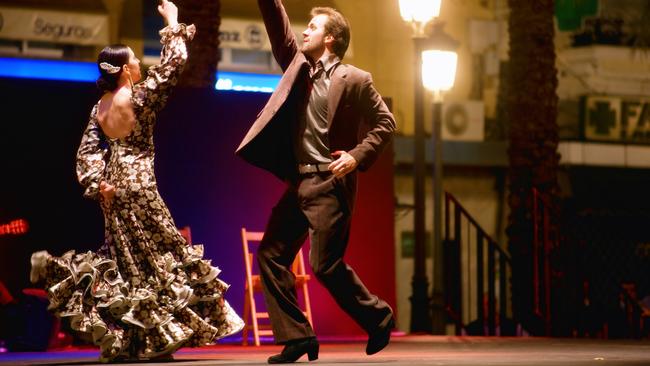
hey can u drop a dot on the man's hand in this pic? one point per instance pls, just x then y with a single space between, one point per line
107 191
169 12
343 164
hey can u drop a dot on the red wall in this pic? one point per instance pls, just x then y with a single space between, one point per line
237 194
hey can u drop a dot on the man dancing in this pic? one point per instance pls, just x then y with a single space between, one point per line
324 122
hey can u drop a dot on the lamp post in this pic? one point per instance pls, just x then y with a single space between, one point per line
418 13
438 75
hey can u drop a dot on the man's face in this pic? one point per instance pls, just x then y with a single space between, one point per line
314 39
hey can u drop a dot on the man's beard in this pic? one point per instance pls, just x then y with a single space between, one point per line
309 48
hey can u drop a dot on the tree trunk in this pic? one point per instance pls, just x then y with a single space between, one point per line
533 136
204 49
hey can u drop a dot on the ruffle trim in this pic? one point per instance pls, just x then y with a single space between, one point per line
148 321
180 29
92 191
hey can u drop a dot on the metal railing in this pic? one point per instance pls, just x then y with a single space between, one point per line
474 262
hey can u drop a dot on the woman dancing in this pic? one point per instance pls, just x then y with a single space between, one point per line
146 292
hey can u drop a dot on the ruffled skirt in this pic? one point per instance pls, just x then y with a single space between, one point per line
181 305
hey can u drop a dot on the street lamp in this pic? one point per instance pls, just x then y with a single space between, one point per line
438 70
438 75
418 13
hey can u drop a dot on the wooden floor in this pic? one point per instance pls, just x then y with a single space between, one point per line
405 350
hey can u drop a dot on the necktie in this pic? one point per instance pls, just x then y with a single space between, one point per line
319 70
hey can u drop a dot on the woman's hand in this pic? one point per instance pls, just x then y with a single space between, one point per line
169 12
107 191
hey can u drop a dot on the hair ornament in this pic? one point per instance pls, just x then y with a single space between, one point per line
109 68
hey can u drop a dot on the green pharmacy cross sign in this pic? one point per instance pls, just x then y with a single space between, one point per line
616 119
602 119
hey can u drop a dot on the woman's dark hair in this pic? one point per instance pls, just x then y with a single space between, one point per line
116 55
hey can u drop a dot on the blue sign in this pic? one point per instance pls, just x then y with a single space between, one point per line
87 72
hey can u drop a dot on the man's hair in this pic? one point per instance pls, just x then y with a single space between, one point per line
337 27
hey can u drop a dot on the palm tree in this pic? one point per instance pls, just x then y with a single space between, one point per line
204 50
531 105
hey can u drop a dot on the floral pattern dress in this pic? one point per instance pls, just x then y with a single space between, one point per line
146 292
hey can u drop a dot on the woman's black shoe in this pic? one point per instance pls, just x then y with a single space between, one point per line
293 350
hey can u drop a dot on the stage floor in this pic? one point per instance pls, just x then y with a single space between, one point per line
404 350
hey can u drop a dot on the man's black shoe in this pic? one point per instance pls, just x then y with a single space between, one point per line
293 350
378 339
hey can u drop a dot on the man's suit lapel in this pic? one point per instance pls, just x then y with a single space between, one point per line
337 87
277 99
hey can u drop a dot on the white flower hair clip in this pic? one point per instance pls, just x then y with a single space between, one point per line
109 68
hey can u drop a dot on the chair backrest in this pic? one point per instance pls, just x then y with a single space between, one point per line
250 238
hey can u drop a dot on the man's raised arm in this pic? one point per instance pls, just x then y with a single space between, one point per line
283 41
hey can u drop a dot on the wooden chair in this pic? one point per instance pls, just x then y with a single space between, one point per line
254 285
